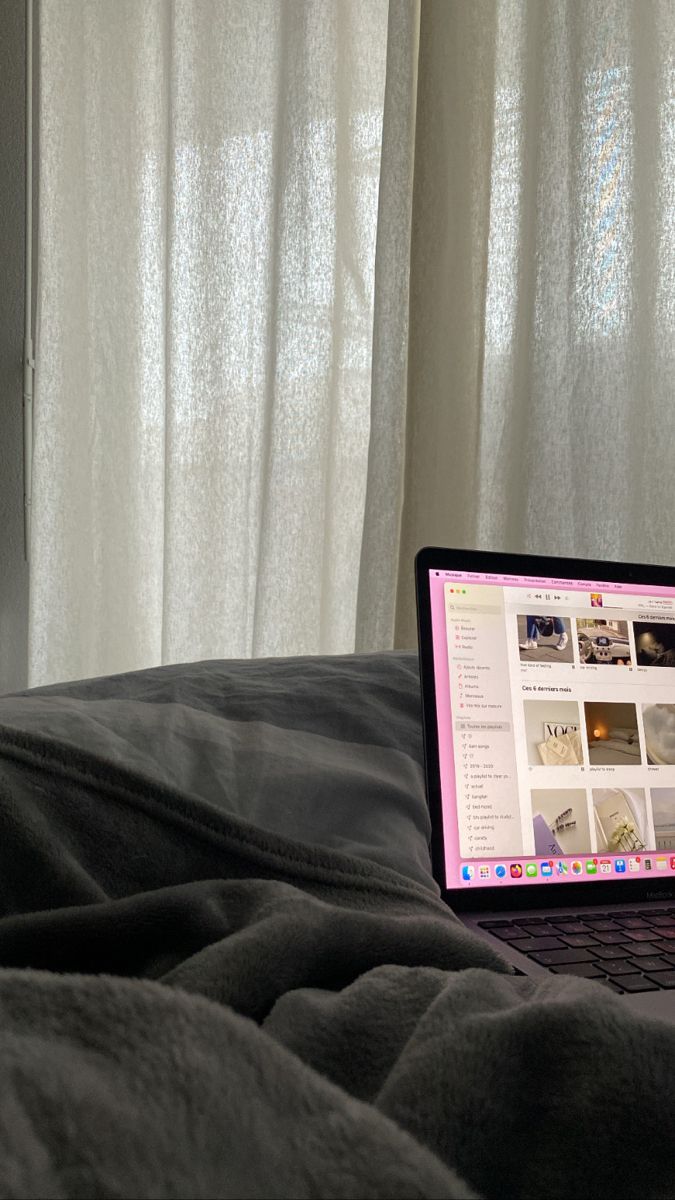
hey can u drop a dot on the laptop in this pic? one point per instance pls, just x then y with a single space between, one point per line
548 693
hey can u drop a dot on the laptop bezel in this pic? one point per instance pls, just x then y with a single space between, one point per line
596 892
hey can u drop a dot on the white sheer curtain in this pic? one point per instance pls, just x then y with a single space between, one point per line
541 410
209 192
243 430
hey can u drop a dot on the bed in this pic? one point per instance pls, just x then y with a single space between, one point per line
612 752
225 969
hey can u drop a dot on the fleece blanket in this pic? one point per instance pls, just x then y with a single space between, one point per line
225 970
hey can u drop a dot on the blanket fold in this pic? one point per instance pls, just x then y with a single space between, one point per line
193 1003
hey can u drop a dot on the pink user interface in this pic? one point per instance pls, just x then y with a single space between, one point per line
556 728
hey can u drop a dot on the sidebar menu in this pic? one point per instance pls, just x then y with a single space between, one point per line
482 727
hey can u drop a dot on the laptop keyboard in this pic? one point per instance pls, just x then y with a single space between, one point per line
628 951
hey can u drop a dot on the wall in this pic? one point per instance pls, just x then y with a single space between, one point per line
13 568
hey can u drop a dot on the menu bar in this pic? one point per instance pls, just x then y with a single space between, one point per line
528 581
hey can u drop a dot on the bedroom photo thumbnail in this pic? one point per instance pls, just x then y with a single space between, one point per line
612 734
659 723
545 639
603 642
560 821
553 733
654 644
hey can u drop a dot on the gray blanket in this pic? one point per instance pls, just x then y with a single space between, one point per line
225 970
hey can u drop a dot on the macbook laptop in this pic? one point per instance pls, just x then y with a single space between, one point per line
548 690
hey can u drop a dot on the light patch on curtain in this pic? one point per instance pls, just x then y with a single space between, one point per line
221 230
365 135
219 247
151 249
665 294
603 265
504 235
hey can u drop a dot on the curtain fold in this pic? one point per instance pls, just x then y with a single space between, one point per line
208 219
542 286
378 574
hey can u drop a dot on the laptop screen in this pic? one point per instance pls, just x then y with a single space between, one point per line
555 705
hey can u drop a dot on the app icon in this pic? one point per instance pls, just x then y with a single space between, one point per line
531 870
516 870
591 866
500 870
577 868
547 869
605 866
467 872
561 866
484 871
633 864
647 864
620 866
661 864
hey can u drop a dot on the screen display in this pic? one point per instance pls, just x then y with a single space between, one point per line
556 728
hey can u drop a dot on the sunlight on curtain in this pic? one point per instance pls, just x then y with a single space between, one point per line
243 430
208 214
505 182
603 266
665 283
541 411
